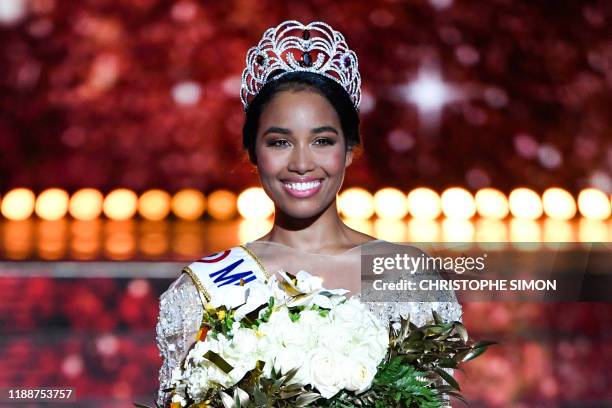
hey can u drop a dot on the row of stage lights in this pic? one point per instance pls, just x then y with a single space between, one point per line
354 203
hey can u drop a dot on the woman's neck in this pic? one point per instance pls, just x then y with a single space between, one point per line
318 234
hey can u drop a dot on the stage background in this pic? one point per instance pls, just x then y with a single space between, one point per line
143 94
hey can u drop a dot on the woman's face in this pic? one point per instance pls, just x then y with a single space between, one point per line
301 154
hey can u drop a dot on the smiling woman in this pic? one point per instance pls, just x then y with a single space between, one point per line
301 131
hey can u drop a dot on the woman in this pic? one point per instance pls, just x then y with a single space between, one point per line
301 93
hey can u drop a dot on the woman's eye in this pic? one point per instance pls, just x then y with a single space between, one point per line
323 141
278 143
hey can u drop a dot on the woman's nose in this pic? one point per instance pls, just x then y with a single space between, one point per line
301 160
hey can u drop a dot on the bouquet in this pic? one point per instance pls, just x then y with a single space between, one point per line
293 343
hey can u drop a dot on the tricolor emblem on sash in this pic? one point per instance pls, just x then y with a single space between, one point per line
235 266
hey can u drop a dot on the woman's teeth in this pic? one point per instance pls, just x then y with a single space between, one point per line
303 186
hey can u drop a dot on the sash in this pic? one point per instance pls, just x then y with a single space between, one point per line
234 266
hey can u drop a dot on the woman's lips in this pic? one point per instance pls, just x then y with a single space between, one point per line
302 189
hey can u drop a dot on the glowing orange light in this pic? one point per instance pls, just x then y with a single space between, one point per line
254 203
458 203
356 203
558 204
18 204
222 205
188 204
154 205
120 204
594 204
86 204
525 203
424 203
491 203
52 204
390 203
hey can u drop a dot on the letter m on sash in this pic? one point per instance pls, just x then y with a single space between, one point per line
225 277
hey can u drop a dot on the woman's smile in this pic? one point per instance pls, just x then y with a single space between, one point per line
302 188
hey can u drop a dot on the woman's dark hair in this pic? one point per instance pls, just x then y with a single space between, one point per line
298 81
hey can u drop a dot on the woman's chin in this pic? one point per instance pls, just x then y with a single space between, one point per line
304 210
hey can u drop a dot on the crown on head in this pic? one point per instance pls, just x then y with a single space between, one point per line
292 46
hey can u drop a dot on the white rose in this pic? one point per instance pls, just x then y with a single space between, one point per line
326 371
359 376
351 311
244 341
335 337
288 358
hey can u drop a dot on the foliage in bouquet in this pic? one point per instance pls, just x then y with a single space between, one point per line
294 343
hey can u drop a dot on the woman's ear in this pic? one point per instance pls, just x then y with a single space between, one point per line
348 159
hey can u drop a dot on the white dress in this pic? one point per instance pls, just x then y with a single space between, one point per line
181 306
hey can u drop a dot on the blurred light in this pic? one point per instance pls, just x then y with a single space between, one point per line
558 230
424 203
524 230
154 205
423 230
18 204
357 203
138 288
222 205
458 203
549 156
390 230
400 140
52 204
558 204
491 203
120 239
360 224
120 204
390 203
186 93
251 229
600 179
491 230
496 97
86 204
441 4
428 91
188 239
594 204
188 204
11 11
17 239
525 203
457 230
526 146
592 230
85 239
154 237
52 238
254 203
477 178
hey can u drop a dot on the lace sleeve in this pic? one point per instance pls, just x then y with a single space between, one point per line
180 315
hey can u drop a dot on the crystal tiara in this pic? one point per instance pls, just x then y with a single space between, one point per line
292 46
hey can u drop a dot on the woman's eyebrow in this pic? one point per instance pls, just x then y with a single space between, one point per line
275 129
323 129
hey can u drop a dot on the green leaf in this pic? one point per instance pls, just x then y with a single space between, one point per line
448 378
217 360
474 353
